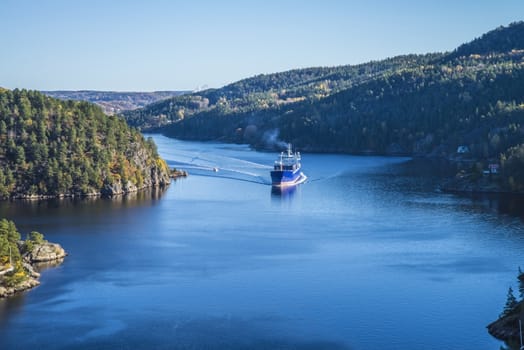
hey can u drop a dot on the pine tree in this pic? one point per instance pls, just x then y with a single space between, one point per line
520 278
511 302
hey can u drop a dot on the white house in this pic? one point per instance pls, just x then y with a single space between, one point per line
493 168
462 149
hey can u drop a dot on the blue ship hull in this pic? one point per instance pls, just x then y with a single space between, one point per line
286 177
286 170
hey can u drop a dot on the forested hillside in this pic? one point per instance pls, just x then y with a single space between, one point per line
52 148
415 104
263 92
501 40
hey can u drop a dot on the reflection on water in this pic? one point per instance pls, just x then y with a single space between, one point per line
42 266
283 192
67 205
10 307
506 204
512 205
428 175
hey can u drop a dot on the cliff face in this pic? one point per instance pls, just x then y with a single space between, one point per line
155 169
44 252
155 173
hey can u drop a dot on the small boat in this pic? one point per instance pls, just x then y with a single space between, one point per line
286 170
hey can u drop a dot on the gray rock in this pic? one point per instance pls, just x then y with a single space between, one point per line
45 252
25 285
31 270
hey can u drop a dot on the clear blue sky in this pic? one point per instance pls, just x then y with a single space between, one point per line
180 45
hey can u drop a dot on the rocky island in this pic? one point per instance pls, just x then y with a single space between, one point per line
19 259
177 173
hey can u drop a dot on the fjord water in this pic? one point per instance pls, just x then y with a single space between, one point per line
364 255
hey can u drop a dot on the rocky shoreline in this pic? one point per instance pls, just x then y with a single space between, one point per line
508 325
113 190
507 328
108 191
465 184
175 174
40 253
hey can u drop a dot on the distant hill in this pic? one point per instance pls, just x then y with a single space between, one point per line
501 40
113 102
267 92
413 104
55 148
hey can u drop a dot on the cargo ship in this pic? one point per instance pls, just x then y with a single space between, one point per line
287 169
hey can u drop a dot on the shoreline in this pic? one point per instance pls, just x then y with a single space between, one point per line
487 184
177 174
108 194
41 254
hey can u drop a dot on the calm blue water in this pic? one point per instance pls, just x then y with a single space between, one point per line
365 255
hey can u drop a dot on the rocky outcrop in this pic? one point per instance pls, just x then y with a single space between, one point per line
506 328
40 253
175 173
25 285
45 252
155 173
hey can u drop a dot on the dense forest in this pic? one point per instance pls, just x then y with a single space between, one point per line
414 104
267 92
53 148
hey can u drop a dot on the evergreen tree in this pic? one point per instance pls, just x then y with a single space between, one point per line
520 278
511 302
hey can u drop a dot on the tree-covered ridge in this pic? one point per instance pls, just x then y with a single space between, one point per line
433 108
432 104
268 91
50 147
419 110
501 40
